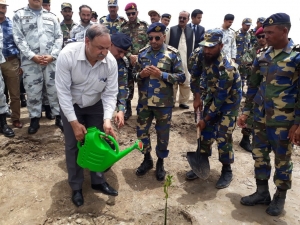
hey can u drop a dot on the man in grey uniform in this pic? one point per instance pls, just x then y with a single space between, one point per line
87 87
38 36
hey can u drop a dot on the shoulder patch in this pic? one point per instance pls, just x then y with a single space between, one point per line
18 10
172 49
262 50
197 49
142 21
123 24
52 13
296 48
143 49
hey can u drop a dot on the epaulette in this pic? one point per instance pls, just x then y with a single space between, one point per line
262 49
296 48
124 23
102 17
231 29
18 10
142 21
197 49
142 49
173 49
51 13
126 61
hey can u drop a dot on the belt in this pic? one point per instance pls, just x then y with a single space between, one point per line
11 57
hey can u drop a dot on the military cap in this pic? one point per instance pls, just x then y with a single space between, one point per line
156 27
259 31
112 3
3 2
94 14
121 40
261 19
167 15
66 5
247 21
153 11
212 38
130 5
229 17
47 1
277 19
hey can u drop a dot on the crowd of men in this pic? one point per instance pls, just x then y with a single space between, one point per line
82 73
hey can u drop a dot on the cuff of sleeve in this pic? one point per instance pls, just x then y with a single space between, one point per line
211 114
71 117
107 115
31 55
128 55
164 75
121 108
246 112
297 120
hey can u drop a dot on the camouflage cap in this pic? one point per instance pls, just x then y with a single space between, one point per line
261 19
112 3
212 38
66 5
247 21
153 11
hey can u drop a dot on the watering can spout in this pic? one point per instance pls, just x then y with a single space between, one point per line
137 145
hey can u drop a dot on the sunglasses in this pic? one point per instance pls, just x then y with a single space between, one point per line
182 18
157 38
260 36
132 13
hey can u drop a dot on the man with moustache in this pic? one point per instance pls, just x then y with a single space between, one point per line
137 30
112 21
165 20
86 99
78 31
182 38
38 36
154 16
67 24
220 89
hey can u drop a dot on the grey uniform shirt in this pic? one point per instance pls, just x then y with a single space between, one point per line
229 48
78 82
78 31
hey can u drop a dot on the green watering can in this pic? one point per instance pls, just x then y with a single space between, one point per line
96 154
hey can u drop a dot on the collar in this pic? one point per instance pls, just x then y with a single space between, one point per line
63 23
162 49
82 55
287 49
136 22
110 20
193 24
27 8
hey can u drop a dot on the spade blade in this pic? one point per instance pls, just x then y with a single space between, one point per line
199 164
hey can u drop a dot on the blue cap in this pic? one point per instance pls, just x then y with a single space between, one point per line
112 3
277 19
261 19
212 38
167 15
156 27
121 40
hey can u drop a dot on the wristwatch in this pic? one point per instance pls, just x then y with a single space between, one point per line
161 75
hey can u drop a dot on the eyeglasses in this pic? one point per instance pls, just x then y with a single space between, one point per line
260 36
157 38
132 13
182 18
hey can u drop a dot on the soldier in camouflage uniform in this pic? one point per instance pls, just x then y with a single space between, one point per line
112 21
37 34
78 31
4 128
242 37
274 97
67 24
247 61
137 30
229 44
259 23
94 18
121 44
158 68
220 87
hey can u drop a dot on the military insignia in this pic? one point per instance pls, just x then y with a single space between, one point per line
207 36
271 21
132 6
111 1
158 28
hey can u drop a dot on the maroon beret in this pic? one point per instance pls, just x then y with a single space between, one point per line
259 31
130 5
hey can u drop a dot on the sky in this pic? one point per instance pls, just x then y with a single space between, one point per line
213 10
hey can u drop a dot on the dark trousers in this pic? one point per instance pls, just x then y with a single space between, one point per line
91 116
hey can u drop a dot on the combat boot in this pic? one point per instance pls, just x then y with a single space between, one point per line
4 128
23 100
146 165
277 204
128 112
245 143
160 171
225 178
8 112
261 196
59 123
34 125
48 113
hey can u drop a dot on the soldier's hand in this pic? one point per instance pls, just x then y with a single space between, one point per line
46 60
119 119
145 73
154 71
201 125
198 103
108 129
294 134
242 120
78 129
133 59
37 59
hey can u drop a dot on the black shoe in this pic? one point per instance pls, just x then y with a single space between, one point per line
128 112
261 196
59 123
23 100
191 175
277 205
184 106
7 131
160 171
146 165
8 112
34 125
77 198
245 143
48 113
105 189
225 178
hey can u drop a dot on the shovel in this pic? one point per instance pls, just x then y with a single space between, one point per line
199 162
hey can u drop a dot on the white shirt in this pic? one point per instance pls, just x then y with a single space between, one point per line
78 82
229 48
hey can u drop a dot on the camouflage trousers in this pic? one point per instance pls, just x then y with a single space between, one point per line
220 129
130 84
3 105
163 116
265 140
34 78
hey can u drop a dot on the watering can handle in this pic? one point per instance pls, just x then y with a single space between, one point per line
111 139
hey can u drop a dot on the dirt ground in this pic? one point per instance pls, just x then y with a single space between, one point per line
34 187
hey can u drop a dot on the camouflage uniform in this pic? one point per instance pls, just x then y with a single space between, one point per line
78 31
114 26
273 96
229 48
138 33
38 35
220 87
3 105
123 65
156 95
253 39
65 31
